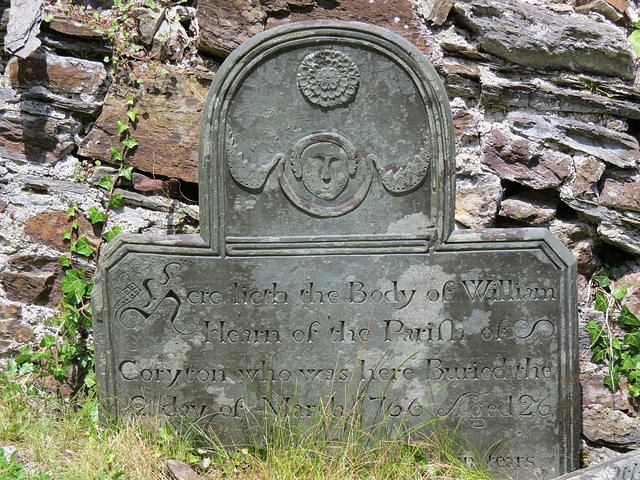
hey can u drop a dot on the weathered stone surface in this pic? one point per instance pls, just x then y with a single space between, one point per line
39 138
621 193
32 279
529 209
605 425
181 471
632 298
148 22
581 239
594 392
225 25
477 200
588 172
72 27
518 159
171 113
58 74
626 466
532 36
627 238
46 228
608 145
546 96
13 330
23 28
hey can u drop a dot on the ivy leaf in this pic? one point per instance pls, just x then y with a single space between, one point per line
618 272
130 142
116 155
106 182
74 283
618 292
126 172
64 261
71 211
132 114
116 201
626 317
66 234
601 302
633 339
97 216
612 381
598 355
634 39
122 126
602 277
129 101
595 332
82 247
110 235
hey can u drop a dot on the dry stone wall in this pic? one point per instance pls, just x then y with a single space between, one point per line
546 105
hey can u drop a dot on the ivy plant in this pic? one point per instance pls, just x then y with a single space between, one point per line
618 348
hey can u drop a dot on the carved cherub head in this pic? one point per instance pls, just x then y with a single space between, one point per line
324 163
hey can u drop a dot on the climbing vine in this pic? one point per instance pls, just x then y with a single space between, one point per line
616 340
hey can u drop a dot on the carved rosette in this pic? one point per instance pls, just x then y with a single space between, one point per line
328 78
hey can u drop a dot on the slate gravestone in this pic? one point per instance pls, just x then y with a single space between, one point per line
327 275
623 467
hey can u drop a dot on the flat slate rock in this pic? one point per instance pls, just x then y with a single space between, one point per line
327 278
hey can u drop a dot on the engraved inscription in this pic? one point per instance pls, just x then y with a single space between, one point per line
328 78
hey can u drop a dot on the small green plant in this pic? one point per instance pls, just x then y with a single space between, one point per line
619 351
634 39
595 87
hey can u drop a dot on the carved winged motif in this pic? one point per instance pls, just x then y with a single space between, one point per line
244 171
402 178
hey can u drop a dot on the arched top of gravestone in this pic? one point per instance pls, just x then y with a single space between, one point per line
326 138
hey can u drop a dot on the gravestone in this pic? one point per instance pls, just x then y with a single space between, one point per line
622 467
327 275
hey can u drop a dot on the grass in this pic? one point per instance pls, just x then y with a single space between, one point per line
60 439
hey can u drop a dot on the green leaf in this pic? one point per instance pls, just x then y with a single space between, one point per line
602 304
122 126
66 234
74 283
126 172
106 182
596 332
598 355
602 277
96 216
164 71
612 381
106 59
64 261
108 236
130 142
132 114
116 155
627 318
82 247
618 272
48 17
634 39
116 201
71 211
618 292
129 101
633 339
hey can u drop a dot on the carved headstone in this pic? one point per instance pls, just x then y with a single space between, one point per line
327 275
623 467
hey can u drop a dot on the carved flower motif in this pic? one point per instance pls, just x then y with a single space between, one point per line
328 78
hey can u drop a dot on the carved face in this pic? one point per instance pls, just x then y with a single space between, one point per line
325 170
